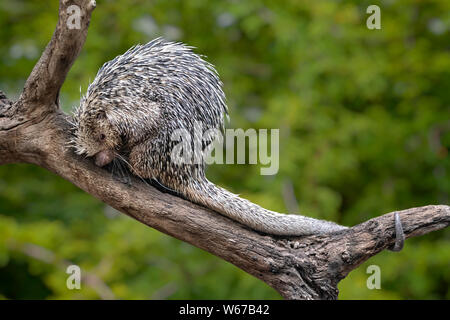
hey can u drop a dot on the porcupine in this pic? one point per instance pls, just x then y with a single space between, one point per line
135 103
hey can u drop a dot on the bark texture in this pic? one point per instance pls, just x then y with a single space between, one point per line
34 130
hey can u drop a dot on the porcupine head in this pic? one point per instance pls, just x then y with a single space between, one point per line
133 106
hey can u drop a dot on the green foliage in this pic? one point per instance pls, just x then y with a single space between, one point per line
364 130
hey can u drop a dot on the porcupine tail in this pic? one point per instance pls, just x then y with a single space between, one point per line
241 210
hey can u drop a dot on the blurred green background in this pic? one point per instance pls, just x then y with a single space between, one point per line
364 130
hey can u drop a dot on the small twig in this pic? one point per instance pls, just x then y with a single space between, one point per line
289 197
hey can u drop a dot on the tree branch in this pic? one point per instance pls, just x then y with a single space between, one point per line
34 130
48 75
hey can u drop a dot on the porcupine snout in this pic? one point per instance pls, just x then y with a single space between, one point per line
104 157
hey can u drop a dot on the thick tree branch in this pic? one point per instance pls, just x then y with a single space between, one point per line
297 267
48 75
